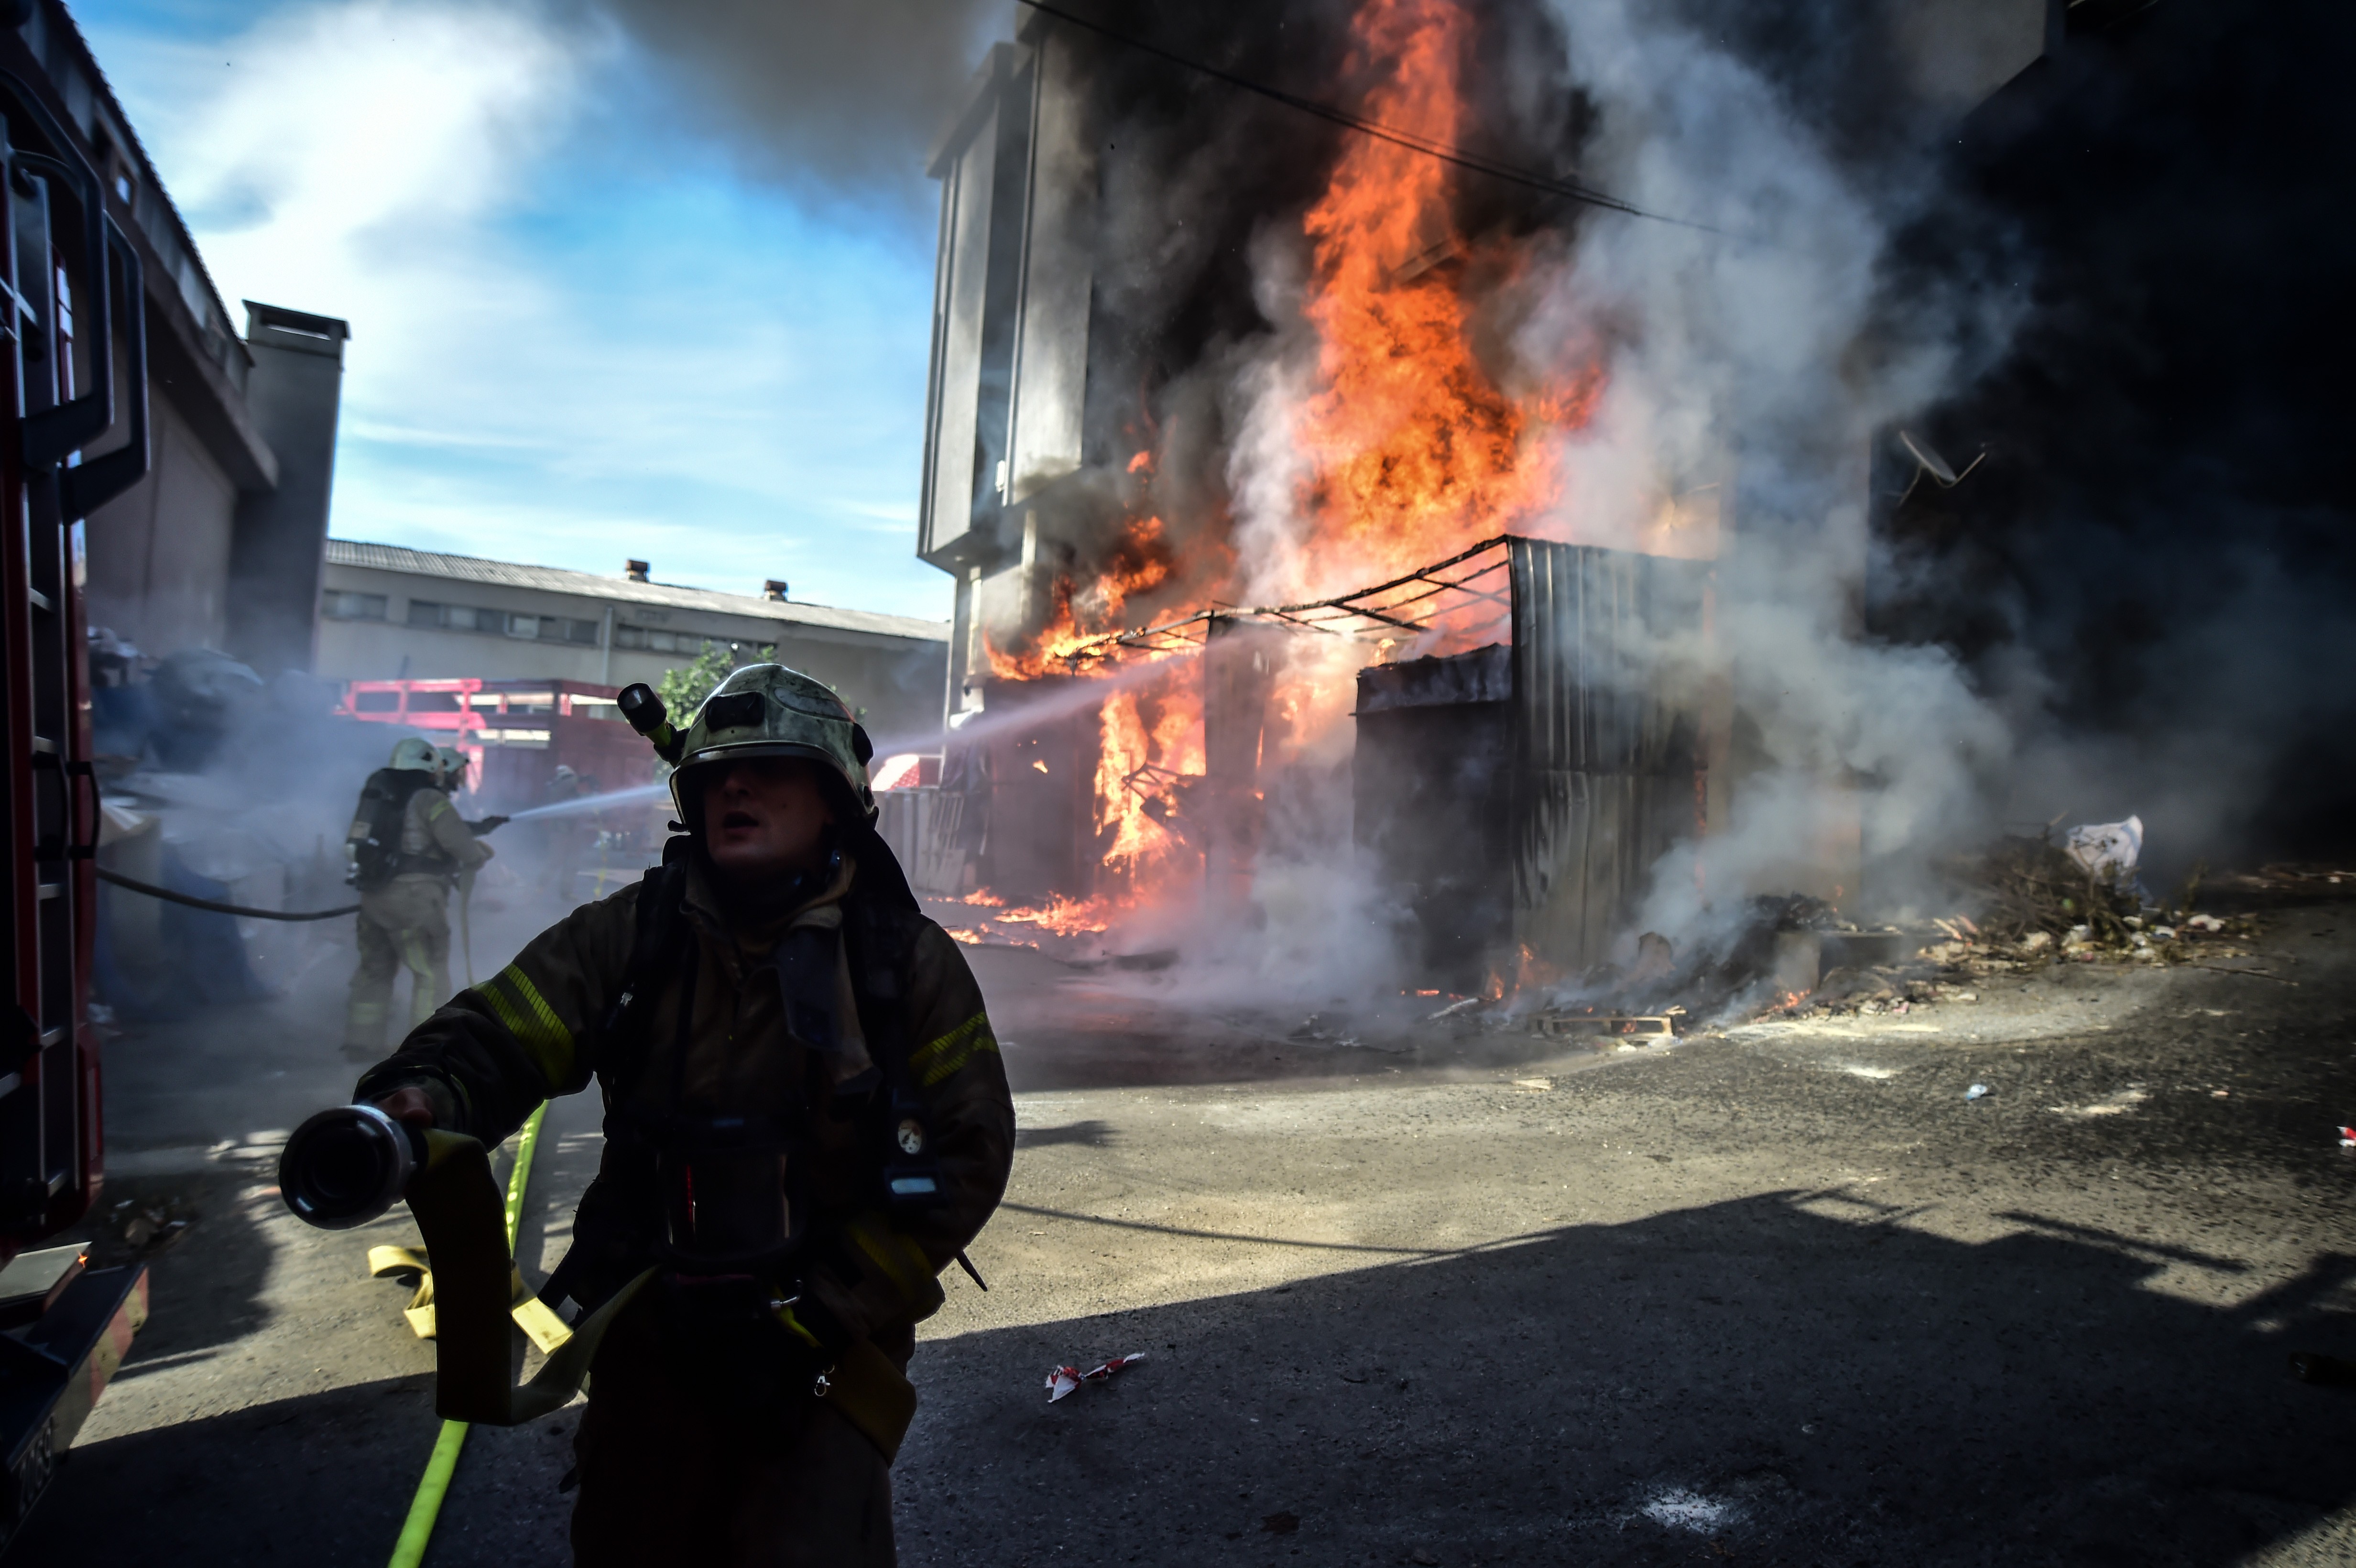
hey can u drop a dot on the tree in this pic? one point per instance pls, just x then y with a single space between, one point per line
683 690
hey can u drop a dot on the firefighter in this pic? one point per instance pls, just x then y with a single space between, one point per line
563 837
408 845
806 1120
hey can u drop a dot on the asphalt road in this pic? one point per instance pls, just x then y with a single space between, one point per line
1779 1296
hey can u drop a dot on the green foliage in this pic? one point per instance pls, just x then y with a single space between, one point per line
683 690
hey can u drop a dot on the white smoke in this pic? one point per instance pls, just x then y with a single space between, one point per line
1762 359
1751 356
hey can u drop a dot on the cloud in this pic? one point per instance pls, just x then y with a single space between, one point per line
571 320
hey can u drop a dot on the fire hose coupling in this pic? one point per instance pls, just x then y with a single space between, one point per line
647 715
345 1166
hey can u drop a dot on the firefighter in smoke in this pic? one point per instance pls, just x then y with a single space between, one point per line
806 1122
407 845
563 837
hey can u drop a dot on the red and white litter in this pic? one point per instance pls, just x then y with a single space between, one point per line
1064 1380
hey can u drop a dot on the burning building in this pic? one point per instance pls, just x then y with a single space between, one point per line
1260 443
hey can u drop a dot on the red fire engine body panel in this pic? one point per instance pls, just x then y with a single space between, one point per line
514 733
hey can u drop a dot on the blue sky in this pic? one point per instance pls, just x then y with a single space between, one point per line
579 332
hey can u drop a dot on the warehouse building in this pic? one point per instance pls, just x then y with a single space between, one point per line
387 613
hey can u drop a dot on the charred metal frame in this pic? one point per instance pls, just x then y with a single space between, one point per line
1510 800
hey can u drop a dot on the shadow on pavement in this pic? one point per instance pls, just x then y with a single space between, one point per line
324 1478
1787 1378
1089 1133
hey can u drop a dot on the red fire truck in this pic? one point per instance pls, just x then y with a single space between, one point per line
515 733
71 296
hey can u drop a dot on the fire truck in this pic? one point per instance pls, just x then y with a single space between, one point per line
71 438
515 733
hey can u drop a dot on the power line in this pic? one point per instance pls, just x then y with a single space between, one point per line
1358 122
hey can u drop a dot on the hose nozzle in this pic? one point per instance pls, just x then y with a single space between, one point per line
647 715
345 1166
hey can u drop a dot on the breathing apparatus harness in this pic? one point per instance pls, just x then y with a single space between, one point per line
377 854
723 1204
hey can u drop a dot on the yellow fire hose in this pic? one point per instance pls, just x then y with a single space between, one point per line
470 1237
474 1291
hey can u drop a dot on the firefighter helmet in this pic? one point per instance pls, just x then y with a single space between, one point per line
453 765
411 754
768 711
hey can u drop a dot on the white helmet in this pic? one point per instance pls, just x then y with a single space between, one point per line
412 754
453 763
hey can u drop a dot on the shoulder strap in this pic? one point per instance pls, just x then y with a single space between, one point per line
662 933
882 939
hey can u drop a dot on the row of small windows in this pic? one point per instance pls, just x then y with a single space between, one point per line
646 637
341 604
467 618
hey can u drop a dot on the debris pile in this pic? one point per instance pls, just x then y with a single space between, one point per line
2038 905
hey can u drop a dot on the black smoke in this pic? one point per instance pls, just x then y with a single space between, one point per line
2153 569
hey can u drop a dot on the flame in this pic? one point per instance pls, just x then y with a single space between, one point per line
1141 560
1142 845
1065 917
1417 451
1125 748
1413 450
1050 651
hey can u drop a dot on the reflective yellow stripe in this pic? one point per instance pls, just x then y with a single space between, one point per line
898 1258
533 1023
941 1059
785 1316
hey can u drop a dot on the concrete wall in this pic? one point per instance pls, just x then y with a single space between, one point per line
159 553
294 392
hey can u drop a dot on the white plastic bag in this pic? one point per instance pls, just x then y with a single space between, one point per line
2107 849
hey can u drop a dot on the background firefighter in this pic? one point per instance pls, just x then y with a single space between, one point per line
563 838
407 844
806 1120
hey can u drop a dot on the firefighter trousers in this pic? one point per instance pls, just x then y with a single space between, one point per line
404 924
664 1480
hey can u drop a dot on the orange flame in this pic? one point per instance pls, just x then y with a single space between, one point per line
1141 562
1417 452
1414 451
1065 917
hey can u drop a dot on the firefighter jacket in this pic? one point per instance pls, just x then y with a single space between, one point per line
718 1042
434 840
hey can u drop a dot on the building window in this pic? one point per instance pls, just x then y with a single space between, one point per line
454 617
655 642
339 605
534 628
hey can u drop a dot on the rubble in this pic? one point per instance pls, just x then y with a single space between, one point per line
2032 903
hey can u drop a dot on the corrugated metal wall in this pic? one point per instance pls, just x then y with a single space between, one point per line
1602 737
